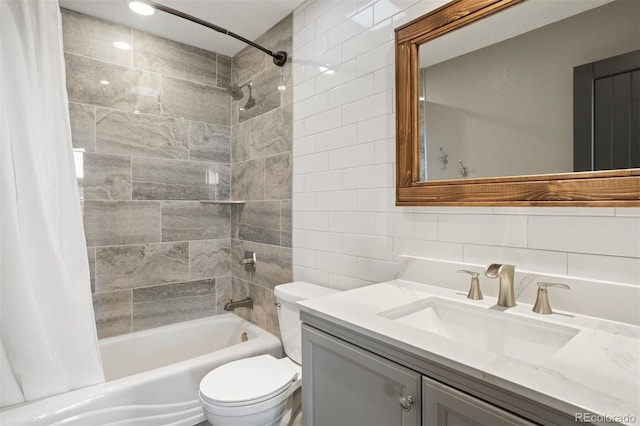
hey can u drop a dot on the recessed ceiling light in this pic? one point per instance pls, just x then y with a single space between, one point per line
122 45
105 82
141 8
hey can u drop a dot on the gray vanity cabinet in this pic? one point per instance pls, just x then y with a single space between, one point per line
346 385
443 405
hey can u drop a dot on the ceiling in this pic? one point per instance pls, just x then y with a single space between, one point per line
248 18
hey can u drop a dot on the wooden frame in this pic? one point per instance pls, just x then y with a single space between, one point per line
604 188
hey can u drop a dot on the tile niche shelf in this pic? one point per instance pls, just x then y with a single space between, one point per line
222 202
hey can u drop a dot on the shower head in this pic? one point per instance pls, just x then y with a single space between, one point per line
235 91
250 102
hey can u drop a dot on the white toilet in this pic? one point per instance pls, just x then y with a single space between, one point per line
261 390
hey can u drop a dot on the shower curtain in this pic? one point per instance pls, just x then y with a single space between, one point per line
48 337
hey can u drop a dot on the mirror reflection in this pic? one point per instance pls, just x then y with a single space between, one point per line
503 104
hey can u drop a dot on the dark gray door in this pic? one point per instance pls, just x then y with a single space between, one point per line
607 114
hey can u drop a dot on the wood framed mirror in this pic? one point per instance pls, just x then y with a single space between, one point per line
618 187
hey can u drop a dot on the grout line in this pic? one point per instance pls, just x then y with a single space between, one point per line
189 260
133 47
130 178
131 308
161 219
95 128
161 96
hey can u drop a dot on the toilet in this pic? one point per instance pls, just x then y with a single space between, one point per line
261 390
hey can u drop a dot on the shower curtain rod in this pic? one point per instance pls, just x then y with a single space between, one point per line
279 57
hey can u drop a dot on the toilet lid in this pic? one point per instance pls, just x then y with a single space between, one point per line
248 380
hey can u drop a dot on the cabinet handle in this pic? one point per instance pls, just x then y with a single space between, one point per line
407 402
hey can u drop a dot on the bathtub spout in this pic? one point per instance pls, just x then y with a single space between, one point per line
244 303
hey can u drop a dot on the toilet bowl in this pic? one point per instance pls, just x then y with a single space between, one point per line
262 390
251 391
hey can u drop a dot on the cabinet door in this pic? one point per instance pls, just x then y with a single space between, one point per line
445 406
346 385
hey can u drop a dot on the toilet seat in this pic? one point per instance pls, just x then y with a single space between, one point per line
248 381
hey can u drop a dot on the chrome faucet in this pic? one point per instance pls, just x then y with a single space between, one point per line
506 294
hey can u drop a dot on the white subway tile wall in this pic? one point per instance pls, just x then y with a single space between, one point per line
347 231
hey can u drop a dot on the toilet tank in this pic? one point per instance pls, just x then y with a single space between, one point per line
289 313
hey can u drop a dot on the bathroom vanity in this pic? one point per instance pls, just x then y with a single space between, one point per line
407 353
346 384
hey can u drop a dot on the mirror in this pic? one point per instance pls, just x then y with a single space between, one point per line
483 125
507 108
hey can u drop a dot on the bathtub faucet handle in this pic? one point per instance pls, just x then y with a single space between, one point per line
249 261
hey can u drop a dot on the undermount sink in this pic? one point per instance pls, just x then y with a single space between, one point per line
525 339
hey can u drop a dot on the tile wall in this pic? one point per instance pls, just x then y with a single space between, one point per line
347 231
154 132
261 175
151 130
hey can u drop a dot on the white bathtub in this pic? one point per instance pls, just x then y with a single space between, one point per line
152 376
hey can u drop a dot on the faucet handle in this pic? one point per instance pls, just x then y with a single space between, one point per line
472 273
249 261
542 305
474 290
543 286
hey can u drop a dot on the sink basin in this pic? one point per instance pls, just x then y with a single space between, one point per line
525 339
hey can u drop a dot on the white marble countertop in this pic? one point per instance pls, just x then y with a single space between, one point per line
597 371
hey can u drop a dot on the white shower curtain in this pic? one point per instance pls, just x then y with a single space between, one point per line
48 337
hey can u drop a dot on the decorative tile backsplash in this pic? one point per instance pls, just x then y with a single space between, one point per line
154 132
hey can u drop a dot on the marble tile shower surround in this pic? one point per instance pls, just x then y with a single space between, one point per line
261 164
347 230
151 129
261 174
159 136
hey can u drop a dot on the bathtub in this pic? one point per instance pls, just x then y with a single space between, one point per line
152 376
